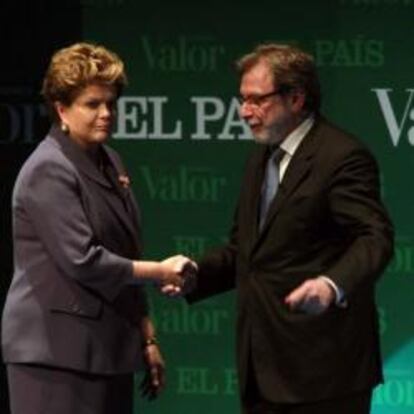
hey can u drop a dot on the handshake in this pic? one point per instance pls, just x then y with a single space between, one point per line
178 276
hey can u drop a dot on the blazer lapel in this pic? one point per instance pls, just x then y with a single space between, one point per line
78 157
298 169
132 219
116 195
255 188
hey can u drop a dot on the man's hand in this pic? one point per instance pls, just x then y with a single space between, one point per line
189 278
177 271
313 296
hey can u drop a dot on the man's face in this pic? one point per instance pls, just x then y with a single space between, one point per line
270 115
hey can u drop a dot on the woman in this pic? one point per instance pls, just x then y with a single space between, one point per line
75 323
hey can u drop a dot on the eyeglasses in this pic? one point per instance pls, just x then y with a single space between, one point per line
257 100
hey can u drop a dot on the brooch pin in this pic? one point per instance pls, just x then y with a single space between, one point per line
124 181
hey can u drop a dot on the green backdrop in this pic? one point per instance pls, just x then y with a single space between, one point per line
180 135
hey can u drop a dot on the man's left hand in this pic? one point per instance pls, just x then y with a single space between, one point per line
313 296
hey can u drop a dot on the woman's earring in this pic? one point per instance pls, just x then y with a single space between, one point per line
64 128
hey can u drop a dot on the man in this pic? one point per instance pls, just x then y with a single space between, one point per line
305 260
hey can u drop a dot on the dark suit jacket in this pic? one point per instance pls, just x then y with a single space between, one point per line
327 219
73 302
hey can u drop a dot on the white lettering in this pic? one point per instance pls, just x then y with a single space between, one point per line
394 128
158 132
233 120
128 117
202 117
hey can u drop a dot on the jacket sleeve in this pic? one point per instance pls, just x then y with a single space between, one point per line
355 202
217 269
53 203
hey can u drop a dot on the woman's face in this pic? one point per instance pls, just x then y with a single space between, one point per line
90 115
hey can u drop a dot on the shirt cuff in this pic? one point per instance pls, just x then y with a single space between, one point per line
340 299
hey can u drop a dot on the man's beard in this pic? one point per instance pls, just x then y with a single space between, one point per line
273 135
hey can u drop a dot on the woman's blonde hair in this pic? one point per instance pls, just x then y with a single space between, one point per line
73 68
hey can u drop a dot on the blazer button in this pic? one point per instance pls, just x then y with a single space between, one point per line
75 308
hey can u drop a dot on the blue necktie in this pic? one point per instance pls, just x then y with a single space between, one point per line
270 184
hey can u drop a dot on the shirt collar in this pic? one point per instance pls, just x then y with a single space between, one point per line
292 141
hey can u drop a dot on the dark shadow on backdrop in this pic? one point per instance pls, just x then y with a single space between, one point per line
29 33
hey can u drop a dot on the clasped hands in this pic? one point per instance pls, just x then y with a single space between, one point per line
179 276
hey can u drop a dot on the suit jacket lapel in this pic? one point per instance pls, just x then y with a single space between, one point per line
127 198
86 166
299 167
259 168
78 157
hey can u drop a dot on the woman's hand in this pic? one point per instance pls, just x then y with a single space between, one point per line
182 266
188 282
172 271
154 379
